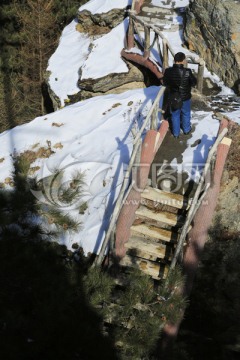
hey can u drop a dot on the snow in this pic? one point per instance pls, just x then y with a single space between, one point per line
95 134
97 141
101 62
170 4
234 116
205 129
73 50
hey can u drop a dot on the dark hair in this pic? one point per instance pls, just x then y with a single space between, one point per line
179 57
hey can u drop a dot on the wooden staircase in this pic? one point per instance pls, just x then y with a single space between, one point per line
155 232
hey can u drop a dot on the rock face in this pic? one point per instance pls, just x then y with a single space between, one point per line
96 24
137 76
228 209
116 82
212 29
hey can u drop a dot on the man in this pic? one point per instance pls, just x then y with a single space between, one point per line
180 79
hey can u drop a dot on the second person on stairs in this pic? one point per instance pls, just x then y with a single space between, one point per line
179 79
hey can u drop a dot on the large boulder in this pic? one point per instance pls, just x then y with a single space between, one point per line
97 24
115 83
212 30
111 81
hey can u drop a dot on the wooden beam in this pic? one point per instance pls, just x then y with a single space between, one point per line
146 249
159 51
130 34
166 198
165 55
155 270
200 74
162 217
151 231
226 141
146 42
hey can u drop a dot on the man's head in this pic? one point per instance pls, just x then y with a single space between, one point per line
179 58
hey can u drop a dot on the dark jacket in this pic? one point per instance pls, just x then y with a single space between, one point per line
172 80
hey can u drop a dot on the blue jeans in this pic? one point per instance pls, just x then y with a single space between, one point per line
181 118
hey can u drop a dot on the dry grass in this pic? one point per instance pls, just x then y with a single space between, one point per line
42 152
233 159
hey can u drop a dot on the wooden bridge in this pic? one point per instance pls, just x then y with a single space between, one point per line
157 222
154 223
151 229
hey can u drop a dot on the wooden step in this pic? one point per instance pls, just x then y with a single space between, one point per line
151 9
152 205
163 216
154 232
155 270
146 249
166 198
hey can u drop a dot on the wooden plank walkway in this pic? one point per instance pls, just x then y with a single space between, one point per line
150 246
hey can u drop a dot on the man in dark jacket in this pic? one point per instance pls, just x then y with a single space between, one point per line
180 79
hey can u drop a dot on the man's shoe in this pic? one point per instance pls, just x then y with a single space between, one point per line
176 137
186 133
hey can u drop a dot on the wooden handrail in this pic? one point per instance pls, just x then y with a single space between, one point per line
118 204
196 201
158 32
156 101
151 119
164 57
125 184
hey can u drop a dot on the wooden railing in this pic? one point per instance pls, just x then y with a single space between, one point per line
151 121
199 195
164 48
